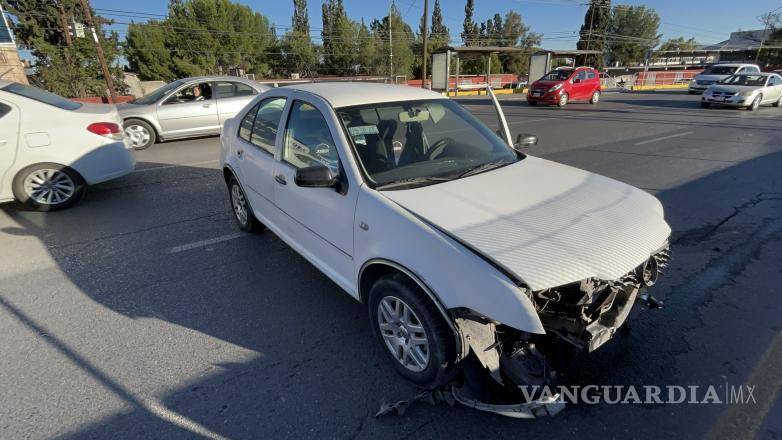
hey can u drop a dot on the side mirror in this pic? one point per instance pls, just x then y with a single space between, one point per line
524 140
318 176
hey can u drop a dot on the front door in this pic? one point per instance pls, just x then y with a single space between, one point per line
9 136
256 149
190 111
580 86
319 220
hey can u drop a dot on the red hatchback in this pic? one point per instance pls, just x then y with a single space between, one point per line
565 84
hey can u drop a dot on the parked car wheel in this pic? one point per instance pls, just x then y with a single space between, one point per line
48 187
140 133
563 99
755 103
412 332
243 214
595 97
779 101
692 92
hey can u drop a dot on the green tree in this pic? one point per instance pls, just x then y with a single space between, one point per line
679 44
402 39
632 33
65 64
300 55
439 35
201 37
592 35
470 32
516 34
368 46
339 40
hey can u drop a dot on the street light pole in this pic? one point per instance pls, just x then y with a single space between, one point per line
390 41
426 38
85 4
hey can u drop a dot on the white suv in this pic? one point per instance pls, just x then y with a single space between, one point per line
457 242
718 72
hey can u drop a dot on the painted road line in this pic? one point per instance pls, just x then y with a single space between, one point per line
649 141
165 167
207 242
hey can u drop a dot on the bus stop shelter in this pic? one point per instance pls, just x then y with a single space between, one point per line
442 57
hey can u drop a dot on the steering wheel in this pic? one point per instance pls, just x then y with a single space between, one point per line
437 148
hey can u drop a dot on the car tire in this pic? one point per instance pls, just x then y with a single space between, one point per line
595 97
779 101
400 338
563 100
691 92
140 133
243 213
755 103
48 187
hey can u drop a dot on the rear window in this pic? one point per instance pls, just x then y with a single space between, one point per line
40 95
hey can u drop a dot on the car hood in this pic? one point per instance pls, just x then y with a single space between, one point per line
547 223
732 89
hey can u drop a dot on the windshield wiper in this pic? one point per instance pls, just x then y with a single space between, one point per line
413 182
484 167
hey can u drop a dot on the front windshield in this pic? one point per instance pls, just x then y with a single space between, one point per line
557 75
157 94
720 70
745 80
413 143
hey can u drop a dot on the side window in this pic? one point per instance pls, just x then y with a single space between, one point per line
308 140
4 109
264 127
192 93
230 89
591 74
752 69
582 75
246 127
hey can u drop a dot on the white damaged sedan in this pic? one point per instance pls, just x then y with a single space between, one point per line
469 254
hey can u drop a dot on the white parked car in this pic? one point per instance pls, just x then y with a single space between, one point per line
718 72
51 148
457 242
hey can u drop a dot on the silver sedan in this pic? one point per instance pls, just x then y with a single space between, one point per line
188 107
750 90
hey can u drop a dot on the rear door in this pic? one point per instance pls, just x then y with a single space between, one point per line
319 221
230 97
190 111
773 90
256 145
9 138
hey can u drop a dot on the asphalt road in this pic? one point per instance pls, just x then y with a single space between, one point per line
142 313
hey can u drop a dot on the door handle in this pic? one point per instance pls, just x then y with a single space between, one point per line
280 179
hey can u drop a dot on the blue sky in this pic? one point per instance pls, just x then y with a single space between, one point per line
708 21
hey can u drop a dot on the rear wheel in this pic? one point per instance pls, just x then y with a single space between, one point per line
140 133
595 97
563 99
48 187
779 101
243 214
414 335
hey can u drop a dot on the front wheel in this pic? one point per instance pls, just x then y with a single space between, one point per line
48 187
243 214
563 99
140 133
755 103
595 97
414 335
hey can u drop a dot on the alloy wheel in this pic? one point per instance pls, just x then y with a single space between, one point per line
563 100
49 187
239 204
595 97
139 136
403 333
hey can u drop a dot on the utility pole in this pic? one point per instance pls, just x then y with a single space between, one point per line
69 42
390 42
591 23
426 38
85 4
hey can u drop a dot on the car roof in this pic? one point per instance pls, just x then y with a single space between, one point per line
348 93
733 64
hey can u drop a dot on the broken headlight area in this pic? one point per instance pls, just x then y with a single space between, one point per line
501 365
